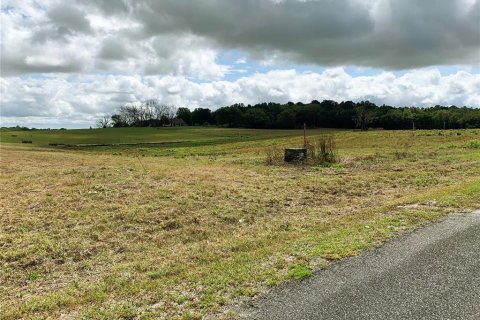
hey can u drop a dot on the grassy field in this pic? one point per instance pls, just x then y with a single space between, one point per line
188 230
186 135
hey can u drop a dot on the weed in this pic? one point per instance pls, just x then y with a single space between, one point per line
32 276
300 272
474 144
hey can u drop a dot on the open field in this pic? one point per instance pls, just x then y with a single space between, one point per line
187 135
186 231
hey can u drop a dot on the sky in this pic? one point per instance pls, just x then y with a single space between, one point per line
67 64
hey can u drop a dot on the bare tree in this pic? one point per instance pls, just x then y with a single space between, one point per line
104 122
149 109
161 110
171 114
131 113
147 113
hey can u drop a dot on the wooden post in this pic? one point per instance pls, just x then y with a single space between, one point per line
305 135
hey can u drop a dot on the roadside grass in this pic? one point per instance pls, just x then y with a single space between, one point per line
189 231
300 272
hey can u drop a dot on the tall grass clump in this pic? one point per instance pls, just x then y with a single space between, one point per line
322 151
273 156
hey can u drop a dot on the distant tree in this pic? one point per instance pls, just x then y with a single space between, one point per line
410 116
307 115
171 113
103 122
164 121
118 121
185 114
286 119
130 113
229 116
153 113
363 117
201 116
256 118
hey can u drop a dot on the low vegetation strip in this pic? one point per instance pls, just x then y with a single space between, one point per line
110 136
87 145
101 235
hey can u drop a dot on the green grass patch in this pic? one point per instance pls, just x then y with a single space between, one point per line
474 144
300 272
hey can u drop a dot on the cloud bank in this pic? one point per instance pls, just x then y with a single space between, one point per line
79 102
167 36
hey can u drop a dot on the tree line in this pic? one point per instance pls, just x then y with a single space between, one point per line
325 114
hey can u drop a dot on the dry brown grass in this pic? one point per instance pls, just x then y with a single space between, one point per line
92 235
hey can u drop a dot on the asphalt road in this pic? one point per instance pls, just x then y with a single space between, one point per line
432 273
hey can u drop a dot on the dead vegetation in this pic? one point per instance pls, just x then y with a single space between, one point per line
322 150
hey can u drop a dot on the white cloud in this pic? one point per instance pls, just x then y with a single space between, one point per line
241 60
